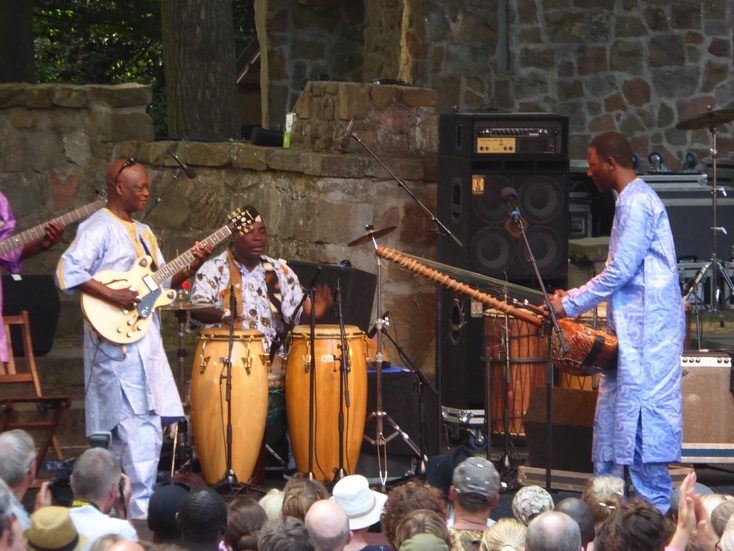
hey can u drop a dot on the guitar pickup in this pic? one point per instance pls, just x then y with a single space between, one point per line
150 283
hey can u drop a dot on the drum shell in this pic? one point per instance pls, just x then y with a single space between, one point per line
327 398
249 401
527 352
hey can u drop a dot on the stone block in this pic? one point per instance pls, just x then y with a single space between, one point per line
383 97
352 101
334 166
131 126
615 102
474 26
538 57
418 97
631 125
720 47
678 82
288 160
11 95
588 249
250 157
685 14
23 119
122 95
627 56
39 97
564 27
70 96
217 154
569 89
630 26
714 74
303 107
605 123
666 51
637 91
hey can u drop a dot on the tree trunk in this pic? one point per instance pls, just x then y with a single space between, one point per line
199 63
16 41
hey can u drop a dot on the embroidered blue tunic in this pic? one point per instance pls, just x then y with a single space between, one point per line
645 310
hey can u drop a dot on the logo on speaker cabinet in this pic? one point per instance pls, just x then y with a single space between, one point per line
477 184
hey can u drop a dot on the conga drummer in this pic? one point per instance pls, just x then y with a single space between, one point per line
267 298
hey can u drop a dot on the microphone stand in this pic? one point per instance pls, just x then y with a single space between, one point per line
158 199
229 477
549 365
440 228
345 367
312 373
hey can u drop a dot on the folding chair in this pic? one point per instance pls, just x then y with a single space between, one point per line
12 373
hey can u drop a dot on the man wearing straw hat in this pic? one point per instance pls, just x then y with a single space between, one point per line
53 530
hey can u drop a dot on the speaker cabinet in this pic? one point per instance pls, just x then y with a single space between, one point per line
38 295
572 418
357 291
479 156
708 397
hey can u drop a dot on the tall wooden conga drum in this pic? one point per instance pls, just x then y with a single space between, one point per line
327 398
514 345
249 401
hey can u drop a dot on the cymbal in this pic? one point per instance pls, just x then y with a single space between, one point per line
179 306
708 119
370 235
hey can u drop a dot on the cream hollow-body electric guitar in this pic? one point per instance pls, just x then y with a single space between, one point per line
36 233
127 326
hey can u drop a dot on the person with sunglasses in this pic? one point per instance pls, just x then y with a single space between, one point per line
129 388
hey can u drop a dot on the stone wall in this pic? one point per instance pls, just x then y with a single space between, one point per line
53 156
637 66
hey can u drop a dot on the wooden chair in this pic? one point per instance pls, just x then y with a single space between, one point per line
11 373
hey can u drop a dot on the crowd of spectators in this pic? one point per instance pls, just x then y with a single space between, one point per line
449 511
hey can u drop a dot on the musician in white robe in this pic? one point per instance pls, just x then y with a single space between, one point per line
129 389
638 421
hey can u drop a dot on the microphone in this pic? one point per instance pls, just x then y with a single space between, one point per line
190 172
315 277
344 143
509 198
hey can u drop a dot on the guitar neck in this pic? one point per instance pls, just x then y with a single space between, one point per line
36 233
442 279
183 260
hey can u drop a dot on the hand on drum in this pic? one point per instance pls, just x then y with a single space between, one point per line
557 304
323 299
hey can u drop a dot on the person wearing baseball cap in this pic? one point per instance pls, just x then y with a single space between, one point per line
363 508
474 492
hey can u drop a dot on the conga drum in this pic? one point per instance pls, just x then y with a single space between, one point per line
596 319
327 398
249 401
513 341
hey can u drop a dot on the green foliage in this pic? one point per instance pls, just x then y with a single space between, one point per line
112 42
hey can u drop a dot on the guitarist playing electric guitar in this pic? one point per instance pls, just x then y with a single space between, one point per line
129 387
12 260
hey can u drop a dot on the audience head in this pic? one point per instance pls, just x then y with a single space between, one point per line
529 502
506 532
727 538
553 531
245 517
327 525
126 545
422 521
721 515
440 468
579 511
636 526
712 501
475 485
284 534
406 498
272 503
299 494
8 521
424 542
362 505
103 543
17 458
604 495
164 505
202 519
53 530
95 478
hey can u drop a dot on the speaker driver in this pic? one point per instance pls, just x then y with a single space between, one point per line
493 250
487 206
541 198
547 248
